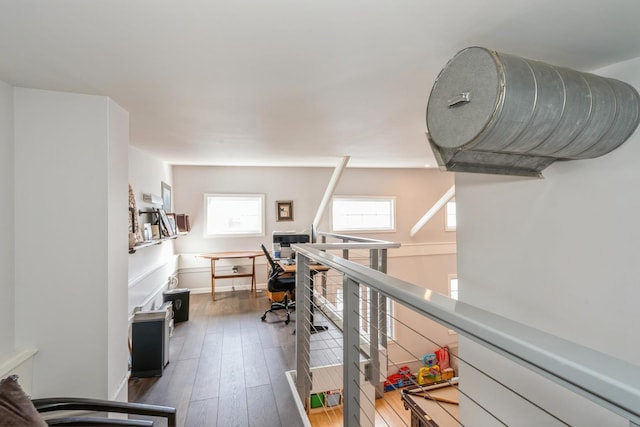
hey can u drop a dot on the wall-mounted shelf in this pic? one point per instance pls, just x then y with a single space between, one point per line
150 243
165 226
154 242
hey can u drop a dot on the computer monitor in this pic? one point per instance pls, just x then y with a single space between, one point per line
282 242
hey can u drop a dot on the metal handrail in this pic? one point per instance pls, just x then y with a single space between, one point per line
612 383
346 237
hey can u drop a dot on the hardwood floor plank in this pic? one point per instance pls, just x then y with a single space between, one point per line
176 346
193 344
232 403
283 396
262 407
255 368
180 387
203 413
207 382
231 342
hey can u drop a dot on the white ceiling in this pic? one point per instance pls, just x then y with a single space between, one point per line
290 82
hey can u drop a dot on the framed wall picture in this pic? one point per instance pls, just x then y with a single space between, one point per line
165 225
284 210
166 196
172 221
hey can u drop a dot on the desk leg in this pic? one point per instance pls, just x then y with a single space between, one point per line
253 276
213 279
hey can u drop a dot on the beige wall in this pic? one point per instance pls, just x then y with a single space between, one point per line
416 190
431 272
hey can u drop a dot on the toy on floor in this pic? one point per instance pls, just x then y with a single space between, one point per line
430 372
403 378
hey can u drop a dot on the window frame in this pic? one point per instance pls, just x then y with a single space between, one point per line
252 233
391 199
450 279
448 215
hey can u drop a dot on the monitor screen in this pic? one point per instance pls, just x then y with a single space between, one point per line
288 239
282 243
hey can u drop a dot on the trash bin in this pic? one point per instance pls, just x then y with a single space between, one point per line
180 299
150 335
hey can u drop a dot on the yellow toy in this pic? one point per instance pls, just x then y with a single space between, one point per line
429 374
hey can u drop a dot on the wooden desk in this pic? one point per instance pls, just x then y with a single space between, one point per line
231 255
313 269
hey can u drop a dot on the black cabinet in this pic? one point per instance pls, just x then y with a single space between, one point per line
150 333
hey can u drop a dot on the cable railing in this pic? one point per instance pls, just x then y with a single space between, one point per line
353 314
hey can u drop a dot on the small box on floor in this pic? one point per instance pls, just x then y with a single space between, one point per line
317 400
447 374
275 296
332 397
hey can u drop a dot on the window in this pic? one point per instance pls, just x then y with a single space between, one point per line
453 293
352 213
234 215
450 216
453 287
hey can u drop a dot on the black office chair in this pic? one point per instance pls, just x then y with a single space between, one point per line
279 283
17 409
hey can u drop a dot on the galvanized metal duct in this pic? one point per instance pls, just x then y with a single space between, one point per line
491 112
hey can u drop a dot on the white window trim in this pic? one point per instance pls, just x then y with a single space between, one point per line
366 230
447 227
451 277
241 234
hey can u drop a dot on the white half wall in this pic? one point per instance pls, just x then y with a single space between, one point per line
7 275
559 254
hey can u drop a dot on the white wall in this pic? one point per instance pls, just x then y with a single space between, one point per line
7 277
559 254
118 155
149 267
70 164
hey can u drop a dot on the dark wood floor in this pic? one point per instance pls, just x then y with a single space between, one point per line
226 366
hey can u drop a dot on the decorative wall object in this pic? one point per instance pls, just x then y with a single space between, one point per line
134 226
182 222
166 196
284 210
172 221
165 225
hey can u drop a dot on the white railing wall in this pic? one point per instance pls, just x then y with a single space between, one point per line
609 382
377 250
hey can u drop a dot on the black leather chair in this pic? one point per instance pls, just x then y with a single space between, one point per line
279 281
81 404
18 410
